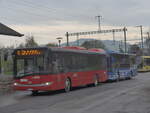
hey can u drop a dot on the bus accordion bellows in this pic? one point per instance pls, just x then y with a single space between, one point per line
144 66
48 69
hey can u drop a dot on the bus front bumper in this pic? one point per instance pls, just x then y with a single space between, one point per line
31 87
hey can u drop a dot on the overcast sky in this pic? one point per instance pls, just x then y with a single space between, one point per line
49 19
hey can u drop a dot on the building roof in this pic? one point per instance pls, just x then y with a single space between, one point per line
5 30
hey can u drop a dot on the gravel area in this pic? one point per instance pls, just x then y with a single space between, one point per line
6 84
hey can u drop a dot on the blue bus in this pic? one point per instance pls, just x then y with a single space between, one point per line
121 65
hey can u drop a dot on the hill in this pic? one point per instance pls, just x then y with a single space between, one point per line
110 44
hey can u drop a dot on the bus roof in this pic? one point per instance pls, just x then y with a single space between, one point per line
118 53
76 50
75 47
98 50
63 49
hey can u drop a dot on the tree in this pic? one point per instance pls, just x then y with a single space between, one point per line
51 45
6 62
93 44
21 45
135 49
30 42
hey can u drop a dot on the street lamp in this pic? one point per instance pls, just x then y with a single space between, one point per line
59 40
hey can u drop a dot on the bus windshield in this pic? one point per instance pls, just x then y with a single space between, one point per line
125 61
125 65
147 61
26 66
121 61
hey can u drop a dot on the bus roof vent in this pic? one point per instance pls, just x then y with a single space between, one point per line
75 48
97 50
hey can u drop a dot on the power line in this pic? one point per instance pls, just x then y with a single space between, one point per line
26 8
37 7
30 14
43 6
27 12
40 16
40 7
11 20
98 32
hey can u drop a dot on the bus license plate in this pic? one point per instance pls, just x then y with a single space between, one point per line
30 89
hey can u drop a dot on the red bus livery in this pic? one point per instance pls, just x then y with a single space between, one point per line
47 69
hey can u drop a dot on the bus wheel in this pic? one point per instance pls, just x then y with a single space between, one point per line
132 74
34 93
67 85
96 81
118 78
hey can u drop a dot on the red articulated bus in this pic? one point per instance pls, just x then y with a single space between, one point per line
48 69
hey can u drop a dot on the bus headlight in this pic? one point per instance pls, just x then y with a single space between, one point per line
15 84
48 83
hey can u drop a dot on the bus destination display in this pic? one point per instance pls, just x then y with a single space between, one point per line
28 52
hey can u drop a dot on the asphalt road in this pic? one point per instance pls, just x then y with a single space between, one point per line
129 96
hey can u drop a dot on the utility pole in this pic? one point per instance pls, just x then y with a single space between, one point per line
67 36
148 36
77 39
120 46
0 61
125 39
99 17
113 36
142 42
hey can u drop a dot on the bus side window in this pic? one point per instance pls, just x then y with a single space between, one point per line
55 62
61 62
65 62
74 63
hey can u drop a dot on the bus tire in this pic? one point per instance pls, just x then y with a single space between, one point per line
131 75
117 79
96 81
67 85
35 92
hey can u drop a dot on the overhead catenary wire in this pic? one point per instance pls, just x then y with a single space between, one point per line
44 11
35 6
26 20
32 12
